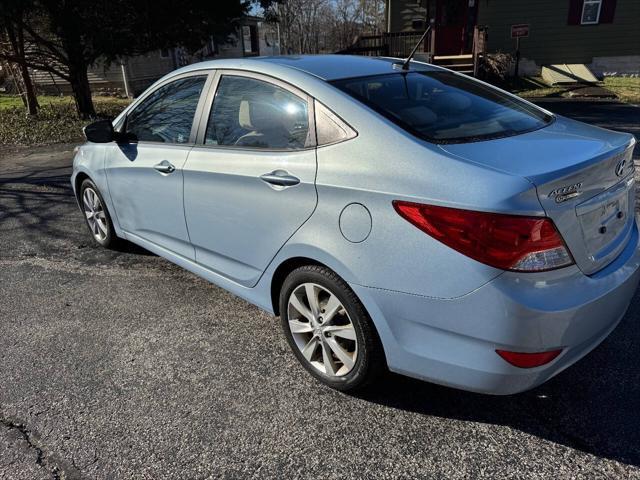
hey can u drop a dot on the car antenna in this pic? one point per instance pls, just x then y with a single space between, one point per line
405 64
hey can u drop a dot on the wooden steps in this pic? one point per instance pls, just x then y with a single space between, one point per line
467 56
458 63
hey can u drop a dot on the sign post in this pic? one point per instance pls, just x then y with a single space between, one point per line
519 31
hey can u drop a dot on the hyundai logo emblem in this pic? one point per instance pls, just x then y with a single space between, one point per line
620 167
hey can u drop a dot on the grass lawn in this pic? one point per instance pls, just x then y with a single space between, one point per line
531 87
56 122
10 101
14 101
626 89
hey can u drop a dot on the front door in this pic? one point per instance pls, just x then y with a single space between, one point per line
454 22
251 184
145 171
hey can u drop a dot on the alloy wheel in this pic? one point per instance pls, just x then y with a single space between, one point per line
96 216
322 330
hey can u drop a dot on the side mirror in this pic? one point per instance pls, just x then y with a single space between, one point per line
100 132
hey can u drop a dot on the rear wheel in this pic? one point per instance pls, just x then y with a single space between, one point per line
96 215
329 330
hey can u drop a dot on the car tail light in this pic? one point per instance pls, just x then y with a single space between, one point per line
508 242
528 360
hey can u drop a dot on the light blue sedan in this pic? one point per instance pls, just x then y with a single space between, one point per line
410 219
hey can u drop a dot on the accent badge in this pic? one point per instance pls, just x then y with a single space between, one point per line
562 194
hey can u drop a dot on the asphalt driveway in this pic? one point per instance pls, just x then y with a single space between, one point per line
122 365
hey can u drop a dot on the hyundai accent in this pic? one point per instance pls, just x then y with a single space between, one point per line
395 216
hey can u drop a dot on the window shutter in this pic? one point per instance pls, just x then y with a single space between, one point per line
575 12
607 11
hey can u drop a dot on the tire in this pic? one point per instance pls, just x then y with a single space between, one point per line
336 360
102 230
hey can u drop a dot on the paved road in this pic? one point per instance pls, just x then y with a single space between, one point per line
121 365
605 113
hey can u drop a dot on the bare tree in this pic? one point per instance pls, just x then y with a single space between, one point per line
12 44
321 26
303 24
347 24
373 16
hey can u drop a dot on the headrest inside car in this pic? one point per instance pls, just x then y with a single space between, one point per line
258 115
452 101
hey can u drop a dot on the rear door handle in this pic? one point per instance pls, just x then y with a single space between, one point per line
280 178
165 167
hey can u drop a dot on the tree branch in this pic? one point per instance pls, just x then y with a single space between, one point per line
35 66
50 45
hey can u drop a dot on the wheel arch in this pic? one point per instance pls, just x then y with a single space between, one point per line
281 272
80 177
290 264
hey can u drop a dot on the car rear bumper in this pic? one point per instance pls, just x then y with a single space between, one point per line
453 341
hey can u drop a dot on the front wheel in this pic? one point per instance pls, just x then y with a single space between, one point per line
329 330
96 215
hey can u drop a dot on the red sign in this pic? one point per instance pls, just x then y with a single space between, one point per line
520 30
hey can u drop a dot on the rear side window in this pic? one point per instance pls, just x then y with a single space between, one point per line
444 107
329 127
248 112
167 114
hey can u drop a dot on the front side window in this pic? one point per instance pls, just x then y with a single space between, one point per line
252 113
591 12
445 107
166 115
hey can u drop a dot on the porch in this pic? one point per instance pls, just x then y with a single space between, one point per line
400 45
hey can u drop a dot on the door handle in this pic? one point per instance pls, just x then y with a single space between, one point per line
165 167
280 178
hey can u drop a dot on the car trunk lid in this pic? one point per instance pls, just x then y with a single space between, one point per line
584 180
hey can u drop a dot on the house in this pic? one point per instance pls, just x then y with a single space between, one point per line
133 75
603 34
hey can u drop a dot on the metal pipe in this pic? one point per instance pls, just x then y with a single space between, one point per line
124 80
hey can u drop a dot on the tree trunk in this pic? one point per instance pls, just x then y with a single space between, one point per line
16 40
81 89
31 101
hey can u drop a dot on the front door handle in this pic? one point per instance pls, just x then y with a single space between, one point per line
165 167
280 178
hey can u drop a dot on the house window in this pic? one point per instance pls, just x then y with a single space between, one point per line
591 12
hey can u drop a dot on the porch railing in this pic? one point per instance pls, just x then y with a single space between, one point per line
480 38
388 44
400 44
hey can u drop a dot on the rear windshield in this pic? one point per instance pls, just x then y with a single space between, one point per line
445 107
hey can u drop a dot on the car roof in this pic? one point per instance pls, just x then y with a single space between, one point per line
325 67
333 67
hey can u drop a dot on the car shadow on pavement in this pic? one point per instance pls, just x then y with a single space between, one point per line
593 406
33 206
